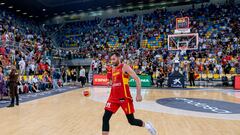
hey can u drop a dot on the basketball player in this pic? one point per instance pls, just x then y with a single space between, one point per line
120 96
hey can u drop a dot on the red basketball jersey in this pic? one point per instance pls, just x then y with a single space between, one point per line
120 87
109 72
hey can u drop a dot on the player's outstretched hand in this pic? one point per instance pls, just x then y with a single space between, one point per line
139 98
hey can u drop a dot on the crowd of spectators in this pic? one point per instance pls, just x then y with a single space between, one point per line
24 45
219 41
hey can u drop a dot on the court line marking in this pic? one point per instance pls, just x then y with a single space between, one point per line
101 95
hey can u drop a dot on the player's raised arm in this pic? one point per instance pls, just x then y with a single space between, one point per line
129 70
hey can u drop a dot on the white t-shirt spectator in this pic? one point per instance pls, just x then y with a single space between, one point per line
29 81
95 64
235 39
219 68
99 55
192 58
219 53
29 36
22 64
214 42
82 72
129 55
48 61
210 55
138 52
32 66
35 80
167 30
143 68
204 46
7 37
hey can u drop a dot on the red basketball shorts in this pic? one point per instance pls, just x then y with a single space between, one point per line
126 105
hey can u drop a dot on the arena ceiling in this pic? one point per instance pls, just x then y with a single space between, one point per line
50 8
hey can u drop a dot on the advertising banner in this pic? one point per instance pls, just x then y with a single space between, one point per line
100 80
145 81
237 82
176 81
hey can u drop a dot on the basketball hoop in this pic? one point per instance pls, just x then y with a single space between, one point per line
183 41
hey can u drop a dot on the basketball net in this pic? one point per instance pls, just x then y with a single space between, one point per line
183 50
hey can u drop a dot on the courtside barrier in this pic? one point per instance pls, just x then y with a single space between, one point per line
237 82
101 80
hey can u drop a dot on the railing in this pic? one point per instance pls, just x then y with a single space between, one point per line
16 45
25 49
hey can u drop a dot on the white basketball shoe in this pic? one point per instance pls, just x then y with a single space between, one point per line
150 128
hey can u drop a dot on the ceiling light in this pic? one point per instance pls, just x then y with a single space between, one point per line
18 10
10 7
175 2
30 16
24 13
2 3
44 10
151 5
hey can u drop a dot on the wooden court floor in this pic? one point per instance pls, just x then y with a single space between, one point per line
72 114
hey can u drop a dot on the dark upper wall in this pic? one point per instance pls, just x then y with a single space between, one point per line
53 8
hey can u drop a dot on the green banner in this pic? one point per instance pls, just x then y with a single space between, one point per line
145 80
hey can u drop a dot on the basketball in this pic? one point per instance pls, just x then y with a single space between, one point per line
86 93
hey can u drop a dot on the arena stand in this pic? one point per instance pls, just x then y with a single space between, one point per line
146 35
141 39
25 45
